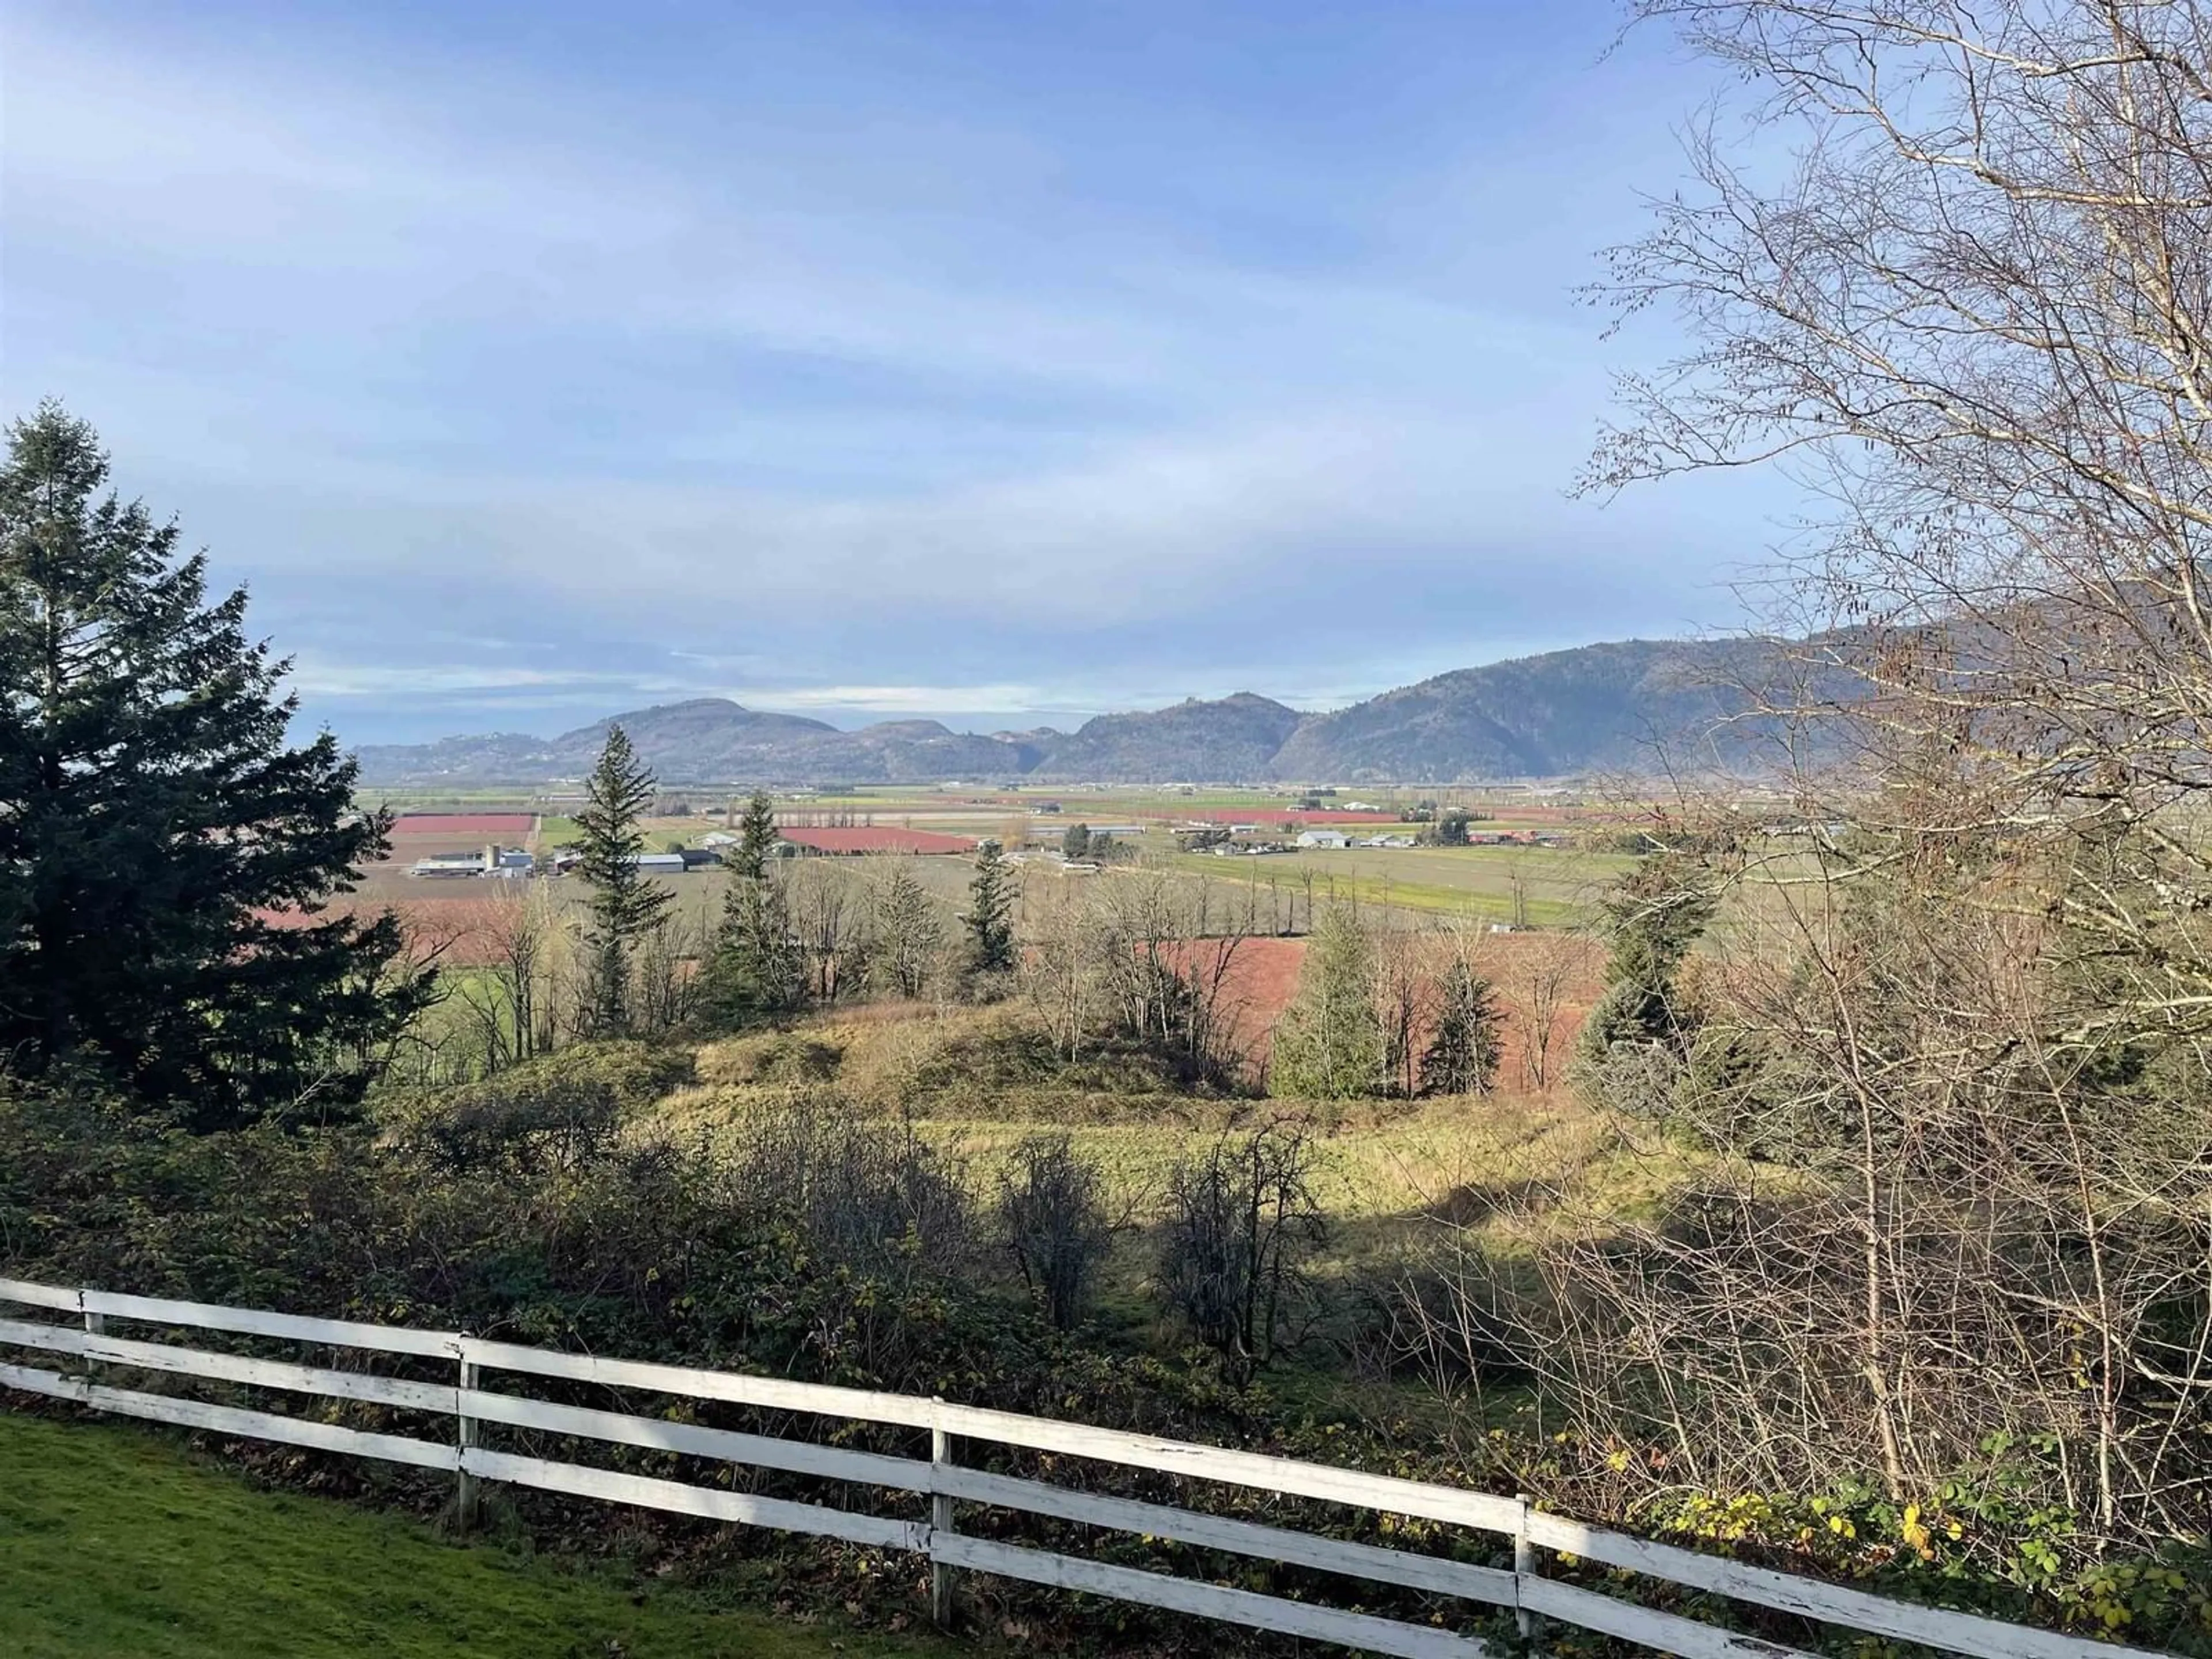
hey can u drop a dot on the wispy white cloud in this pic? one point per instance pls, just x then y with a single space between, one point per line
318 678
897 700
917 398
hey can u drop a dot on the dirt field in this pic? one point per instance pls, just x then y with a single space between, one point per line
1532 973
512 827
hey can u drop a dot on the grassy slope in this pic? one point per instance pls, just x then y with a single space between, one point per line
114 1541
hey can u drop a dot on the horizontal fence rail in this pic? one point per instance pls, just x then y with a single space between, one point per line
1522 1588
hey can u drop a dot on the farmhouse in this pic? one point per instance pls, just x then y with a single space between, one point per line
1324 838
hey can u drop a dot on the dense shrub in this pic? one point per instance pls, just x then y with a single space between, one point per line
1052 1215
1242 1218
549 1113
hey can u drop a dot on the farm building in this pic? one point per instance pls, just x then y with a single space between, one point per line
490 859
1324 838
441 866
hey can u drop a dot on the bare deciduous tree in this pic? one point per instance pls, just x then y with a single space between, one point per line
1240 1219
1969 1009
1060 966
1974 317
1535 973
1052 1213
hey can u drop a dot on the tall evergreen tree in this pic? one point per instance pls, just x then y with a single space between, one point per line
990 918
1461 1057
757 970
154 823
1331 1044
757 837
1656 913
625 902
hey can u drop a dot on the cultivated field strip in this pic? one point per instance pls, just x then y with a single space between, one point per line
1531 1595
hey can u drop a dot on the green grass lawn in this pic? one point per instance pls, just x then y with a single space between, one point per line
117 1542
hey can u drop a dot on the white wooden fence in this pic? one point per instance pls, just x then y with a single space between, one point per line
1524 1589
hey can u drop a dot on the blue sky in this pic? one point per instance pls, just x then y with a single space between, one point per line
1005 363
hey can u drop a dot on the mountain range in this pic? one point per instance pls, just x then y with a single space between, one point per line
1598 707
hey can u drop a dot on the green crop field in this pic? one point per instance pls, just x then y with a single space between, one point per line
1556 886
114 1541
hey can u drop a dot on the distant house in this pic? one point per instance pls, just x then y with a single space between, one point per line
1324 838
661 864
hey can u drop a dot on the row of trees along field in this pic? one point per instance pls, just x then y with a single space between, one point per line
1914 1284
1154 959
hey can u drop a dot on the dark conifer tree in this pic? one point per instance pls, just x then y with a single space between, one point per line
1461 1057
758 971
990 918
1656 913
625 902
166 857
757 837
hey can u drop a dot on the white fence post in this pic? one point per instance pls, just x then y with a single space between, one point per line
94 1325
941 1523
465 1503
1525 1567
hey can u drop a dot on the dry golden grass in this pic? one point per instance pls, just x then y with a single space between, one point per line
973 1081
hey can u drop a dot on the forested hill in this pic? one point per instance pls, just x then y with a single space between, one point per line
1611 707
1617 707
